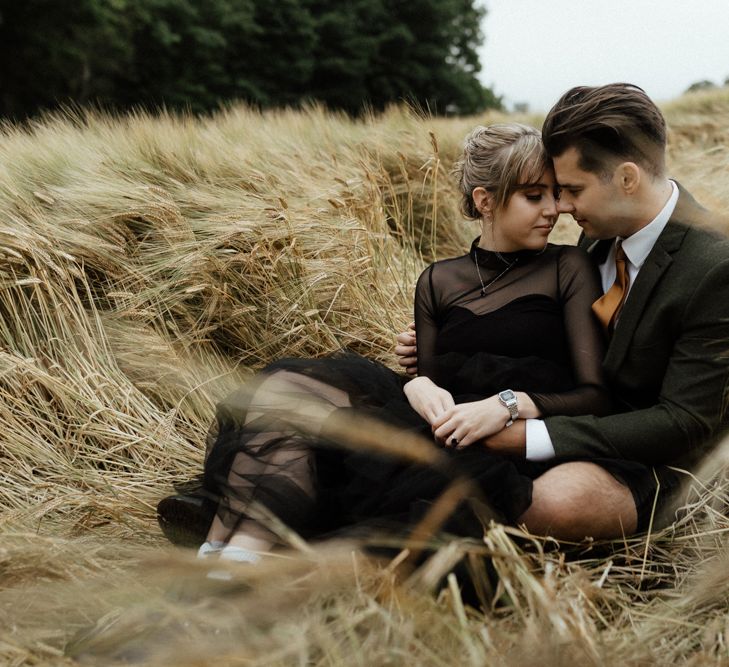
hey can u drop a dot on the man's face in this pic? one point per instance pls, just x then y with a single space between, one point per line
595 203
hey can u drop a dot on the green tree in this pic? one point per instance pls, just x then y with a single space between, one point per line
54 51
178 51
705 84
198 53
271 63
380 51
344 51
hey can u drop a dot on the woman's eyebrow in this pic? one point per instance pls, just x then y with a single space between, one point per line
526 186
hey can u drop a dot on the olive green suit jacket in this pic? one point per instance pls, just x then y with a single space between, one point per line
668 360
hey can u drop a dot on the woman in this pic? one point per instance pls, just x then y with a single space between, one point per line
504 332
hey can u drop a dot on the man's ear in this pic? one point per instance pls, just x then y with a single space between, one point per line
628 177
483 200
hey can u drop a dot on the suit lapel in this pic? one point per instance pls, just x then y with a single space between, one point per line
656 264
598 250
650 273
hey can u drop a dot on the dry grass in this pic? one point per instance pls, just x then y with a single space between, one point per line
149 265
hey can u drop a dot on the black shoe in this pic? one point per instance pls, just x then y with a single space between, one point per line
185 519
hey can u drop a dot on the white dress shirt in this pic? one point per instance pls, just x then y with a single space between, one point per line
637 247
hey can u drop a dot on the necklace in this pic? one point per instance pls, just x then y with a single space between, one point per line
499 255
505 261
478 271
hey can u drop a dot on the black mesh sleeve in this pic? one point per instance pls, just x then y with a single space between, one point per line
425 324
579 287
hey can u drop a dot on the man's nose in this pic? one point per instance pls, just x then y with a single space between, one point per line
564 204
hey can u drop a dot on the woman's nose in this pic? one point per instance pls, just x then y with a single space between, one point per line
550 208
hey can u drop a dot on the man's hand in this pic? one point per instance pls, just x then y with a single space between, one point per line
467 423
406 350
510 440
427 398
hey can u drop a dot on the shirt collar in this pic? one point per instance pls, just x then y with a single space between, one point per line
637 246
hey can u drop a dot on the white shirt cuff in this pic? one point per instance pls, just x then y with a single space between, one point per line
539 445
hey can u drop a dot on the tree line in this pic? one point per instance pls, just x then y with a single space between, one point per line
197 54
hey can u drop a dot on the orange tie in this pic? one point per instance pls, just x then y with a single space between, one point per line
607 307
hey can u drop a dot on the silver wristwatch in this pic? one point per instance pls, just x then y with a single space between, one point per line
507 398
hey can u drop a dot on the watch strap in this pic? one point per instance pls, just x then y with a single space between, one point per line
511 404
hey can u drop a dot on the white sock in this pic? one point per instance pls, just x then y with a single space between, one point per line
208 549
234 554
239 554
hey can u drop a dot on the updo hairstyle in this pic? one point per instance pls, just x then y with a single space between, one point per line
500 158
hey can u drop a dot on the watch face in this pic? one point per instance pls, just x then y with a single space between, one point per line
507 395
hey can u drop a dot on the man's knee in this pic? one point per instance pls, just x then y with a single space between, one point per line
580 499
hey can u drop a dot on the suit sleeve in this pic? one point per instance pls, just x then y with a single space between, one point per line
691 405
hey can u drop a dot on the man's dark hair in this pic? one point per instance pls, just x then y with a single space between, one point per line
607 124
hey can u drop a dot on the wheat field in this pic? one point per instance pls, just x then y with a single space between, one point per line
150 264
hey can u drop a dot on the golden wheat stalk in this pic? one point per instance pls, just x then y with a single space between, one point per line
149 265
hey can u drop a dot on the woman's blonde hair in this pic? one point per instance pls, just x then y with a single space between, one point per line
499 158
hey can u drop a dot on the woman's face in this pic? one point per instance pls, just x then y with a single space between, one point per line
527 218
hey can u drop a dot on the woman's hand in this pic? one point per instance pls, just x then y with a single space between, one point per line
470 422
407 350
428 399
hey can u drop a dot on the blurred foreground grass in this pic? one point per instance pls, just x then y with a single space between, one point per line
148 266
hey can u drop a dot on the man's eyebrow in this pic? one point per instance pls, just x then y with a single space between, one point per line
569 186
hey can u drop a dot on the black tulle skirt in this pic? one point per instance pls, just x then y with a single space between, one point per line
319 486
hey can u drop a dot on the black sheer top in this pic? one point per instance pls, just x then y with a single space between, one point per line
531 329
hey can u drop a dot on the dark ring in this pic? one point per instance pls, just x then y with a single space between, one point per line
454 441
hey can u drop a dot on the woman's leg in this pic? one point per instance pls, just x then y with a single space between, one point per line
275 464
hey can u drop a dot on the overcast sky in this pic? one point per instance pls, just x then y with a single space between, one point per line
536 49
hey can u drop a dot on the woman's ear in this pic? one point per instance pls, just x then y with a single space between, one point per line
628 174
483 201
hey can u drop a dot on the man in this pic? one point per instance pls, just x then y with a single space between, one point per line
666 314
